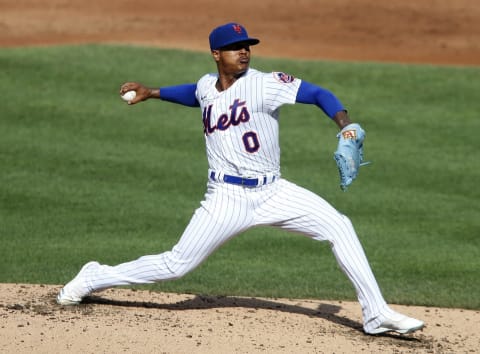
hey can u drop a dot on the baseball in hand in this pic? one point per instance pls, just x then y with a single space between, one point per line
128 96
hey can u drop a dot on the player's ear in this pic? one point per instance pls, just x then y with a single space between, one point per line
216 55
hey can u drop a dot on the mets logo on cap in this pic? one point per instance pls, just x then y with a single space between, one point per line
237 28
283 77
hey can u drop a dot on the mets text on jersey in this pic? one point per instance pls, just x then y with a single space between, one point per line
238 114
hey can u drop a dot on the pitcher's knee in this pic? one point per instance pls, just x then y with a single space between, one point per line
337 227
346 220
339 220
178 267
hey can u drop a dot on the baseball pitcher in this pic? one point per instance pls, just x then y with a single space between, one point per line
240 109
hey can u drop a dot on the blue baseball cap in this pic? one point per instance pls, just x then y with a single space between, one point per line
228 34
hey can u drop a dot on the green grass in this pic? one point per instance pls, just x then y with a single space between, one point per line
83 176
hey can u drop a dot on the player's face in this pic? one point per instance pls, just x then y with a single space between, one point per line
233 59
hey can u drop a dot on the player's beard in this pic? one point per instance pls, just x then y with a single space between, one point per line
241 73
244 64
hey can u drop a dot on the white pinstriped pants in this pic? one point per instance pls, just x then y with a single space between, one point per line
227 211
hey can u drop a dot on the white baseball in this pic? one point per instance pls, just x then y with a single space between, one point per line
129 95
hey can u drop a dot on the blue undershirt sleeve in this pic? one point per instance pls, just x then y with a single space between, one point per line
181 94
312 94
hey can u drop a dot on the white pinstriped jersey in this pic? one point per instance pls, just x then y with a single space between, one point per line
241 123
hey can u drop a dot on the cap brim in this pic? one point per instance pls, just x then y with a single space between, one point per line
250 41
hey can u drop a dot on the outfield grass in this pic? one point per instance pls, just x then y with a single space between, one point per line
83 176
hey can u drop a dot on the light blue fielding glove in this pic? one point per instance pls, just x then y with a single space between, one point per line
349 154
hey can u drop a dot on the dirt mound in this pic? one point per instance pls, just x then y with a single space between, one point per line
133 321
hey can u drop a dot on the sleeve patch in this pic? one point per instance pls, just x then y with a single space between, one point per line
283 77
349 134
